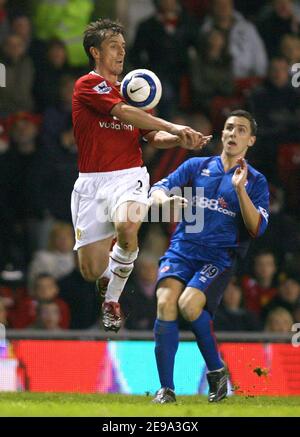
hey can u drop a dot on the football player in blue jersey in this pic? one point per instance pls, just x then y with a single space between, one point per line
197 266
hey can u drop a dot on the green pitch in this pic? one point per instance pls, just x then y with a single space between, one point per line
54 404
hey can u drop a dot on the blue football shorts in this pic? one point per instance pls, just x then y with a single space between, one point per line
211 277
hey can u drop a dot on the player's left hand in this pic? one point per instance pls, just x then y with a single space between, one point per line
240 175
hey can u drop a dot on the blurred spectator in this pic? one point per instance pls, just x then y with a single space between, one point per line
5 216
231 315
54 175
48 316
130 13
58 118
198 8
249 9
58 260
278 20
279 320
154 239
161 44
4 140
55 170
81 297
245 45
296 314
21 25
22 308
3 313
211 70
19 305
276 107
290 49
139 299
282 237
17 95
259 290
288 296
45 291
16 165
64 20
4 24
49 76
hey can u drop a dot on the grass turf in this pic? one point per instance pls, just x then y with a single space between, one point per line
112 405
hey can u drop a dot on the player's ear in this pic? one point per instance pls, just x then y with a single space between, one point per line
95 53
251 141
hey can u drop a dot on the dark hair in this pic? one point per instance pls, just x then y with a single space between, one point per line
248 116
96 32
55 42
263 252
42 276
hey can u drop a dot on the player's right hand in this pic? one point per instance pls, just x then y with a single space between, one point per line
189 138
174 206
175 202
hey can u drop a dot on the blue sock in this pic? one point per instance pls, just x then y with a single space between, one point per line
203 330
166 344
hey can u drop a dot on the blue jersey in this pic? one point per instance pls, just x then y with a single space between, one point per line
223 229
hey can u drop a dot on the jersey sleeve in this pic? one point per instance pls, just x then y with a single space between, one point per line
179 178
101 96
260 199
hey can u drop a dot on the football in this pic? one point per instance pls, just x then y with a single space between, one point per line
141 88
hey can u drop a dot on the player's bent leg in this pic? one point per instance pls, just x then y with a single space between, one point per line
166 335
168 293
93 259
93 262
121 263
128 218
191 305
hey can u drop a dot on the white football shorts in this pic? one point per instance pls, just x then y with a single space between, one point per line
96 197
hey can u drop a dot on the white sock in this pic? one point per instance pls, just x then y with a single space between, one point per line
121 264
106 273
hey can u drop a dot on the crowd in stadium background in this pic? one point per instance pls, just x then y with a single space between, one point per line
211 57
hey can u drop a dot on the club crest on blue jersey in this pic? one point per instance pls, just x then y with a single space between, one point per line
222 202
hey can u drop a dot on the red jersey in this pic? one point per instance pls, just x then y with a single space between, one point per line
21 313
104 142
256 296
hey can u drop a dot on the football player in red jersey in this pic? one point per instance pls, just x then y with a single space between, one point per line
112 182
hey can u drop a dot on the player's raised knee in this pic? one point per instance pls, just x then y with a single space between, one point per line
127 230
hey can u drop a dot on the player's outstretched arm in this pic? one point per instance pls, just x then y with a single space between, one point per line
164 140
187 136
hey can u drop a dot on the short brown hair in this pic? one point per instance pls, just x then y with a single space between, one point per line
96 32
248 116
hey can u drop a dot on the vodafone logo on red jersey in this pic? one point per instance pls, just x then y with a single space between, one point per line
116 125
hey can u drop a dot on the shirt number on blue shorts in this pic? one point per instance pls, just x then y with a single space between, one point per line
209 271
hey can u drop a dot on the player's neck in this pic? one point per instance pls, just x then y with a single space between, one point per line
228 161
113 78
